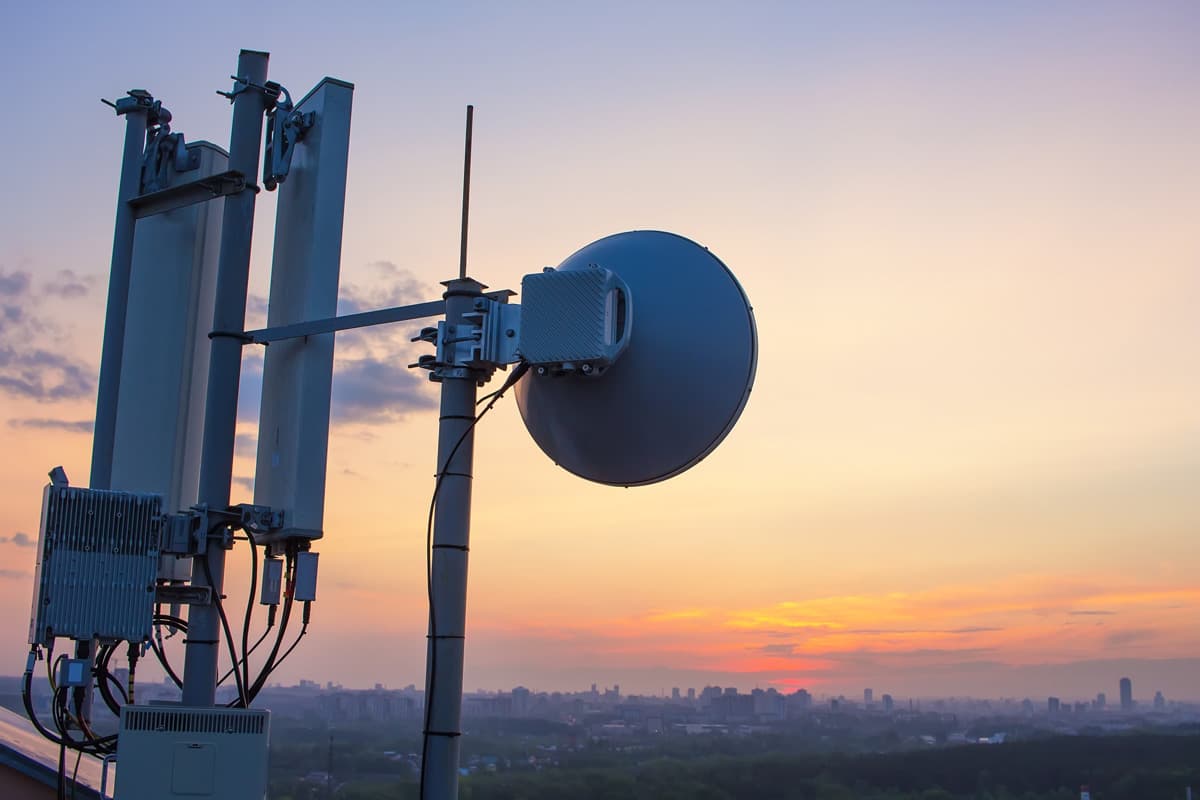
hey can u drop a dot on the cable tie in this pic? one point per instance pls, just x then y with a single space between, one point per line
454 475
201 641
451 734
463 417
461 547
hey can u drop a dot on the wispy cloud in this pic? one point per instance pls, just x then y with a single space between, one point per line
13 574
14 284
19 539
67 283
372 383
391 285
982 628
44 423
31 370
246 445
373 390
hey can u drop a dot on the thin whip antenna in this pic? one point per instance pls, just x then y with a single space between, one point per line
466 194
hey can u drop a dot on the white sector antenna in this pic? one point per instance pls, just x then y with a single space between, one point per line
681 382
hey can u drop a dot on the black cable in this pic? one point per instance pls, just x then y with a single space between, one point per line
216 595
62 771
288 652
103 655
249 607
75 774
250 652
27 701
288 602
106 692
515 376
158 648
94 745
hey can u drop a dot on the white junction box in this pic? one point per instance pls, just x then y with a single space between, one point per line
178 751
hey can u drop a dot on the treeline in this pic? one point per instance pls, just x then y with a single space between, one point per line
1131 767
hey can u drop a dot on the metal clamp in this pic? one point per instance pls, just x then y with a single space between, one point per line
285 127
166 153
484 341
136 100
270 88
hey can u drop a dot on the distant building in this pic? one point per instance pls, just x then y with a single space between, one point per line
868 697
1052 705
1126 694
888 703
1160 702
769 705
520 701
691 695
1101 701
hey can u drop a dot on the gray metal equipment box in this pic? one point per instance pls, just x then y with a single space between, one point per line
96 565
177 751
577 319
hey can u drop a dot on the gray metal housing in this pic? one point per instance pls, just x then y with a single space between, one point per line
96 566
174 751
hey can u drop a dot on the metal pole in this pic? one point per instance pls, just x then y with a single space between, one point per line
451 535
224 370
466 205
136 109
113 347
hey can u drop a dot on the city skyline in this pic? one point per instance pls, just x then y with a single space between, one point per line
968 233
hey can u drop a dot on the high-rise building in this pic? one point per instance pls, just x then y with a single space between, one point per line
868 697
691 695
1101 701
1126 694
888 703
1160 702
1052 705
675 693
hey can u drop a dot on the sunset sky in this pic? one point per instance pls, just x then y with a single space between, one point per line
971 235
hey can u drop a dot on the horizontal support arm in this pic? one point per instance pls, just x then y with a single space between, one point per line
211 187
332 324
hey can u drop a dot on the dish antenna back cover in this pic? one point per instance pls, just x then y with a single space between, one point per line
680 385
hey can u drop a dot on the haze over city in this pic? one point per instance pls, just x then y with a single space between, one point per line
970 459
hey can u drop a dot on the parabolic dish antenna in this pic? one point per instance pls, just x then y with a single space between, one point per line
680 385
